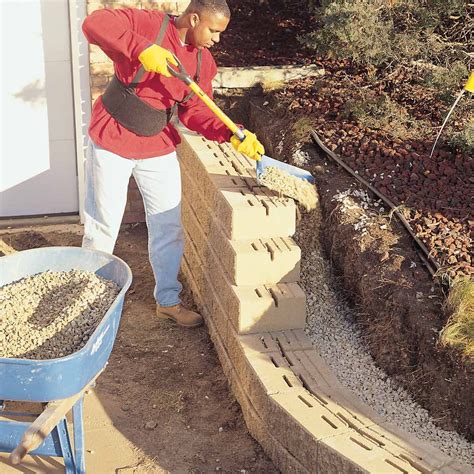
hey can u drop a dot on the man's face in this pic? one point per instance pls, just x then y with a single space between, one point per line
206 29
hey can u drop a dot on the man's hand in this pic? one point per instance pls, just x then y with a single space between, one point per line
250 146
155 59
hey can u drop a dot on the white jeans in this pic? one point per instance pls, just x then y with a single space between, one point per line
159 182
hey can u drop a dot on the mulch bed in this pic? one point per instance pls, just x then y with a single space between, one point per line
263 33
435 194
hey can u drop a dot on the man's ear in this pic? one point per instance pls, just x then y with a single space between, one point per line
194 19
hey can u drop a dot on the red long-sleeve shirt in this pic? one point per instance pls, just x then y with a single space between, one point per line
123 34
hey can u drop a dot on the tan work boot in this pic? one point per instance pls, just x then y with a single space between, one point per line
180 315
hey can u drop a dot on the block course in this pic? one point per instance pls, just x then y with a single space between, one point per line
221 223
249 308
245 262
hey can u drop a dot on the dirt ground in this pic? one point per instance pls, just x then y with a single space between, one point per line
157 373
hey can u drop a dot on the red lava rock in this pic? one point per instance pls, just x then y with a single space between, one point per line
449 241
437 187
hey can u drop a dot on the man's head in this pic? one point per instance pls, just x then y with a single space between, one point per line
207 19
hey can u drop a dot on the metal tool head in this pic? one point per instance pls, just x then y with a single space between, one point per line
181 73
292 170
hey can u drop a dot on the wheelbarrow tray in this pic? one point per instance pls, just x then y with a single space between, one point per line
55 379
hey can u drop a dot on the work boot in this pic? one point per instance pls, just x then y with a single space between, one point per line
180 315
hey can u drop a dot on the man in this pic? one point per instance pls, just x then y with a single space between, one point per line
130 130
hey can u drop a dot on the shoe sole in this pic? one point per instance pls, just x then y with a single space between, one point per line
166 316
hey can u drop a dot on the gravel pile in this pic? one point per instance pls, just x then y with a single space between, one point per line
331 327
52 314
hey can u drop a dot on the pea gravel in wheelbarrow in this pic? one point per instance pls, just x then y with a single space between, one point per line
60 382
52 314
29 379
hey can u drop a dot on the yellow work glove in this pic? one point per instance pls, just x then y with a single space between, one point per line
155 59
469 86
250 146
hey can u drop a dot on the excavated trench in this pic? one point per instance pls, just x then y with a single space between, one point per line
334 315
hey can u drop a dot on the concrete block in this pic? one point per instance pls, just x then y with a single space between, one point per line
266 308
195 149
299 421
283 459
243 214
206 294
267 371
265 260
192 227
240 347
261 373
318 379
217 182
292 340
420 454
199 205
248 215
261 342
257 427
247 262
249 308
351 452
202 165
242 160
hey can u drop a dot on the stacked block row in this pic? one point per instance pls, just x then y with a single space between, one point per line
238 244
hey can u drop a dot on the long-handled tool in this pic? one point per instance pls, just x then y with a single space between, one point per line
265 161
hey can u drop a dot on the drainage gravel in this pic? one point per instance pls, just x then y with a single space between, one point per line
332 329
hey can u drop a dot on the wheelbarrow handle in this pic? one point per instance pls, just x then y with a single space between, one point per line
182 75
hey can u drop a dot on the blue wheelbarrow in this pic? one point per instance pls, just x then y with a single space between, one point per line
59 383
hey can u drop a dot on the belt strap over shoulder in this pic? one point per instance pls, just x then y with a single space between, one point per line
197 77
159 39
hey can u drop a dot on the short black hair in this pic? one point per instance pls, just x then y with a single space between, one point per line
217 7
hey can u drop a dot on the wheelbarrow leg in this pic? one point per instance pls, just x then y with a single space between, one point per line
78 426
42 426
66 448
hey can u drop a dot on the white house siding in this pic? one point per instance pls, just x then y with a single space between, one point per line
38 141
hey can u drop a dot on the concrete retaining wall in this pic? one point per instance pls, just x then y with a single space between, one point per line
292 403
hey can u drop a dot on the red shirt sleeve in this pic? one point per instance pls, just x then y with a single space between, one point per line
119 33
195 115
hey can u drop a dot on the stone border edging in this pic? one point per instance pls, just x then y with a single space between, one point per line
292 403
251 76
